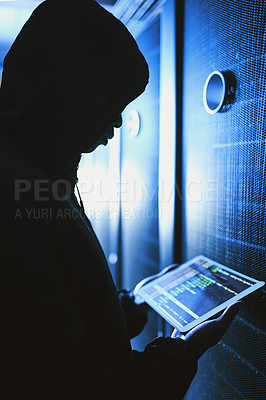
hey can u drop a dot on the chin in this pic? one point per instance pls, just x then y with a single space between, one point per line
103 140
90 150
93 147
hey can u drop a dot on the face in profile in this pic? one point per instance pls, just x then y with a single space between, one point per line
72 116
108 134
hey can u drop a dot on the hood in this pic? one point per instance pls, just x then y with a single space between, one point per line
71 70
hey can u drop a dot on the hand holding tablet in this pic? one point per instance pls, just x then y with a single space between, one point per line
196 291
209 333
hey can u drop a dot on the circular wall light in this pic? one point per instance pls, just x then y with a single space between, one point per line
133 124
113 258
219 91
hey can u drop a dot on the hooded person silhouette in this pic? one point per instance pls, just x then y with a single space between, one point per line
68 76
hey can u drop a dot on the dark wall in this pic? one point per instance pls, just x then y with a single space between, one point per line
224 181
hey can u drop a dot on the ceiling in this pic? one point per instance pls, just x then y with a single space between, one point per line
110 2
135 14
31 3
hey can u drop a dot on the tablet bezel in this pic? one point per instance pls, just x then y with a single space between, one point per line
209 314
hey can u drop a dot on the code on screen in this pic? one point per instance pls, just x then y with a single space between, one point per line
195 290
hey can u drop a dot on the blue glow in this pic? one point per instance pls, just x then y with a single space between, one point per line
167 146
134 123
113 258
13 15
99 179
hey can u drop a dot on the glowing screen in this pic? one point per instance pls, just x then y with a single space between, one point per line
189 292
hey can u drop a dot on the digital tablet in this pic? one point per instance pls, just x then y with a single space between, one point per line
196 291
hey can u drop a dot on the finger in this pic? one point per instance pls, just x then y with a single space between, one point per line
230 312
174 333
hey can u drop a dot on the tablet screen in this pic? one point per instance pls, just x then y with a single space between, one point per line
195 291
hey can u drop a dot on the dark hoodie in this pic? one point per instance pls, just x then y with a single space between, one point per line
71 70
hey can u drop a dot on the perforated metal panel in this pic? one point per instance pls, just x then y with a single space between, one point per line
225 183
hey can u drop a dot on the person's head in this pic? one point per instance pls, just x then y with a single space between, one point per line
108 134
68 76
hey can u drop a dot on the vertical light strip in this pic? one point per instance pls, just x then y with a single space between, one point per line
114 203
167 149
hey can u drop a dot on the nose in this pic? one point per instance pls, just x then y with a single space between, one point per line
118 122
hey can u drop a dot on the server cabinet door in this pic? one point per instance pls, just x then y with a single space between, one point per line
224 181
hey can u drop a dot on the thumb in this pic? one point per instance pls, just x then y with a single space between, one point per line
230 312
